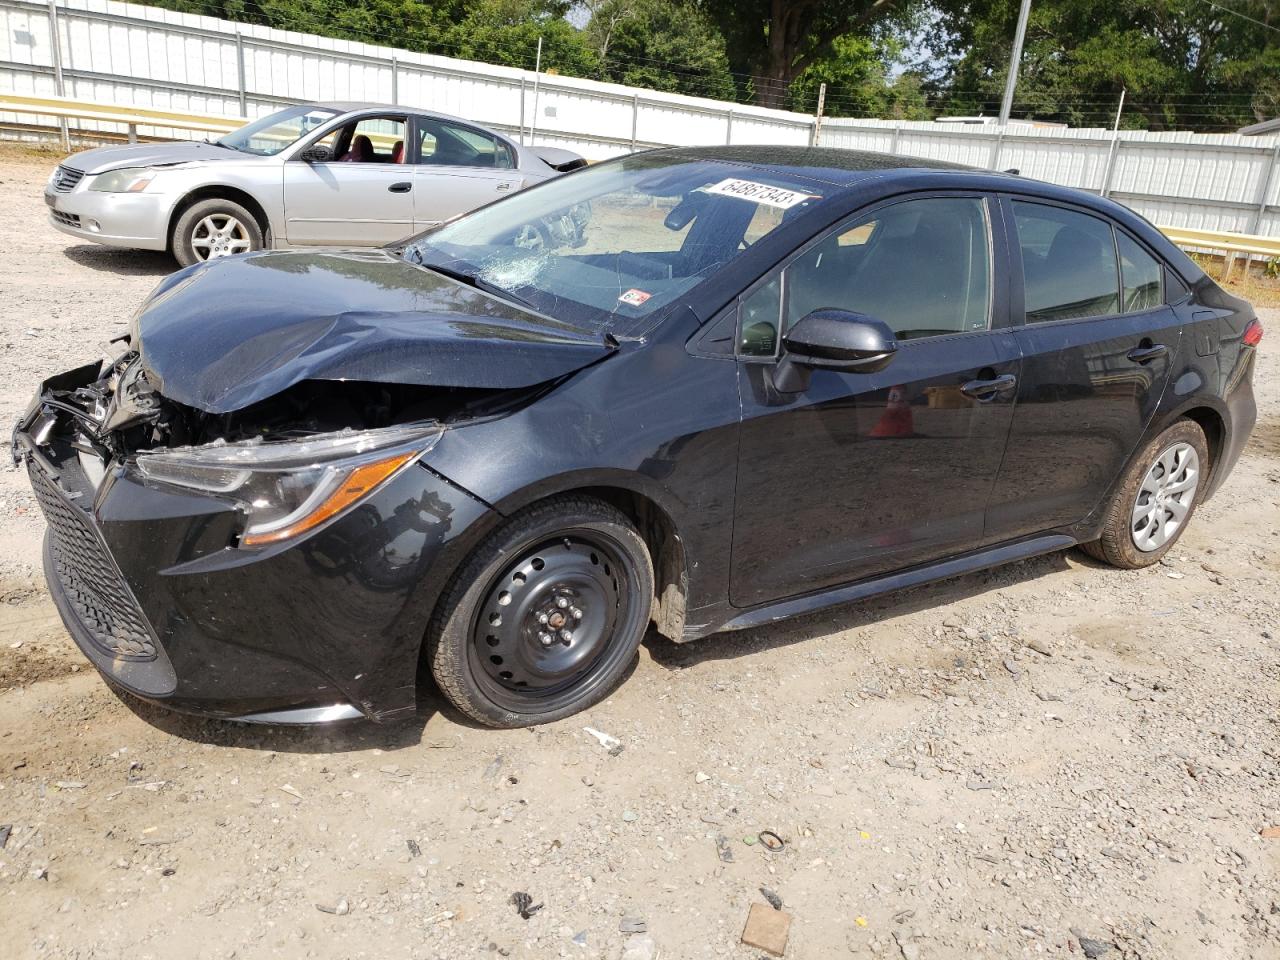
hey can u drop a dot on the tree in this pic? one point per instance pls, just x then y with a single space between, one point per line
857 75
662 45
507 32
777 40
1183 63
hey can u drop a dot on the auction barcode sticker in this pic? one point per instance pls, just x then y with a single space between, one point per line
758 193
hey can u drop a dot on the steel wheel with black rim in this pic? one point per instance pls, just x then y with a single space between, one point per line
215 228
1156 500
545 617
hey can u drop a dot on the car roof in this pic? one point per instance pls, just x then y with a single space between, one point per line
359 106
850 169
827 164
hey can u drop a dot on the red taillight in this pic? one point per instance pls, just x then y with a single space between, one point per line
1252 334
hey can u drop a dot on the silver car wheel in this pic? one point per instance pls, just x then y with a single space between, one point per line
1164 500
219 235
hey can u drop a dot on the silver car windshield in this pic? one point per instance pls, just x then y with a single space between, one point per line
620 241
269 135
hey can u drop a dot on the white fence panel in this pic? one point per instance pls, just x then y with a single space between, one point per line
1204 181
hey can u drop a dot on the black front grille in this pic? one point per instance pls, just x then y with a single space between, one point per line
65 179
89 577
66 219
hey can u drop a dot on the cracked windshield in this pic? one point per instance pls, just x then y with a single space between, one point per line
618 241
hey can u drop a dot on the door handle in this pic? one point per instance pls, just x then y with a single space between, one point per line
988 389
503 186
404 186
1148 353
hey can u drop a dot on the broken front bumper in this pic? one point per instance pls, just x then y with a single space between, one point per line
155 592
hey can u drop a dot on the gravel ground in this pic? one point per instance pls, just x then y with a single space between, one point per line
1051 759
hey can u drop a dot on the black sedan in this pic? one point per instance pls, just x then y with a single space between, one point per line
756 382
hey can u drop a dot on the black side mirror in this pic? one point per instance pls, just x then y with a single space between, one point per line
833 340
315 154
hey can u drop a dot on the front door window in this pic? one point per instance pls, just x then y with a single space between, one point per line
922 266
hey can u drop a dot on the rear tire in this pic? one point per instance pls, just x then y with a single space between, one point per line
1156 500
209 229
544 618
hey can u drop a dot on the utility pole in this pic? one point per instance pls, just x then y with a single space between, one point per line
817 119
537 72
1014 62
1119 110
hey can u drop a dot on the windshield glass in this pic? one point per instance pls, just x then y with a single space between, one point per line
620 241
272 133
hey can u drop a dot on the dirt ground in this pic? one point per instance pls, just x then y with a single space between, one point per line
1051 759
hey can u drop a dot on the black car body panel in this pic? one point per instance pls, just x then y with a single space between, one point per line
757 503
239 633
209 340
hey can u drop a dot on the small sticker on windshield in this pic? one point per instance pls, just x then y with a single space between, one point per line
634 297
764 193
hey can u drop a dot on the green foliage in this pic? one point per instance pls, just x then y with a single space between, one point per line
858 84
507 31
1184 63
779 40
661 45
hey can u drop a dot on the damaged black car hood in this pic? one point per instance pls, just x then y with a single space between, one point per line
225 334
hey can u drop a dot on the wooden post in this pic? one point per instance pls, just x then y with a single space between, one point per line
817 117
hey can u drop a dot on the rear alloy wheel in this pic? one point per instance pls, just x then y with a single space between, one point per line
1156 500
212 229
546 616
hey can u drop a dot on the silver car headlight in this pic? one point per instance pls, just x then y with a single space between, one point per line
125 180
288 487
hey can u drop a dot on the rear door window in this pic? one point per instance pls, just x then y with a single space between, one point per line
1068 263
442 144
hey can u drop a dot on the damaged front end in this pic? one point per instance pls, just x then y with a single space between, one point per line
261 563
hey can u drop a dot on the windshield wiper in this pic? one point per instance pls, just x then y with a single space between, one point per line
219 143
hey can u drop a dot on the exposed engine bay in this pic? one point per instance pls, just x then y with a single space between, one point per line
117 412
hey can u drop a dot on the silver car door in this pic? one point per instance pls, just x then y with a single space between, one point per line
362 195
458 168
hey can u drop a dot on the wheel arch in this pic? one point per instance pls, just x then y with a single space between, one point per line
643 502
1213 420
666 551
220 191
1200 409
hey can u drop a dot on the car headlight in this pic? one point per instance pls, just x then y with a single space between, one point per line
127 180
288 487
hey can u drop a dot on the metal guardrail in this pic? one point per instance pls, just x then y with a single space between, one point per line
130 116
1245 243
134 117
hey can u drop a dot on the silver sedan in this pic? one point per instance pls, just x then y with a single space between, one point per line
315 174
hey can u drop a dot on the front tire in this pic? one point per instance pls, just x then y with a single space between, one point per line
1156 499
545 617
214 228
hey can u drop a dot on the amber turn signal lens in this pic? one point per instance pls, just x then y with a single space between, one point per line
360 481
